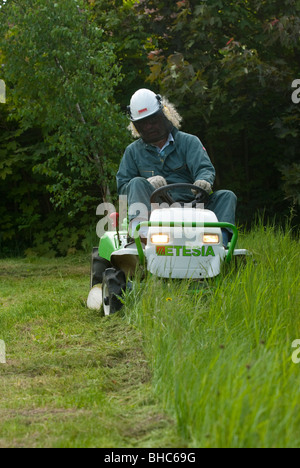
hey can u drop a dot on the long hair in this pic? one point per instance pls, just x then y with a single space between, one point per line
170 113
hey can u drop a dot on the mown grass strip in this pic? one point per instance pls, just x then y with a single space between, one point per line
72 378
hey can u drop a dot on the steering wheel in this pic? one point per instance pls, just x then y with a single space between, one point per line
163 195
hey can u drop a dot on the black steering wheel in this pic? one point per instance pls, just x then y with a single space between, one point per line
161 194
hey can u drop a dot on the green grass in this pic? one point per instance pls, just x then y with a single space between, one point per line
72 378
175 368
222 358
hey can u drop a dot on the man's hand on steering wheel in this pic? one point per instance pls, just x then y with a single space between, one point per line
162 193
204 185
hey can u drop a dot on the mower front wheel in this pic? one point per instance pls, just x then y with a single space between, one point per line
113 285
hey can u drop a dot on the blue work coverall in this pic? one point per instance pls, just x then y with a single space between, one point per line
183 160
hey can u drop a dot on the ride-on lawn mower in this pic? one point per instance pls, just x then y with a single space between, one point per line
183 242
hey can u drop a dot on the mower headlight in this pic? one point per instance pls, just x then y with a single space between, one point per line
211 238
160 238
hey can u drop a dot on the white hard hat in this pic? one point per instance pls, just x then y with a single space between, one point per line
144 103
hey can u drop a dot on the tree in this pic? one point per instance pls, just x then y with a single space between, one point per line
229 66
124 30
61 74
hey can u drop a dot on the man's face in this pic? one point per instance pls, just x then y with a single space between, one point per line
153 129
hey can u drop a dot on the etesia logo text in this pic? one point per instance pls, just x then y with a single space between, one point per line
183 251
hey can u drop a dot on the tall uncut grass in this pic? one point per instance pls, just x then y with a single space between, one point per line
221 356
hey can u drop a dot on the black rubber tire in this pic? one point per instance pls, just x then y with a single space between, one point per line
98 267
113 285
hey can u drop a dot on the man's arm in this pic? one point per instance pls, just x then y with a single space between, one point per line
198 161
127 171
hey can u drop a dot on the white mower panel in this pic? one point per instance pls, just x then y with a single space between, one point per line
184 253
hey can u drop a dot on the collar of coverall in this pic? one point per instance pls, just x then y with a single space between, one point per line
170 139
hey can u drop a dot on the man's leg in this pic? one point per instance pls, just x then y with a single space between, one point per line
139 190
223 204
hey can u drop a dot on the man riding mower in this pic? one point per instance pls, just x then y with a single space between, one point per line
186 238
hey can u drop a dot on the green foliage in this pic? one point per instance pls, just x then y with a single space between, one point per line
63 130
291 177
229 66
61 73
122 27
23 196
70 68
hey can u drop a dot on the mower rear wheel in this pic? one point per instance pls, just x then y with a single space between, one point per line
113 285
